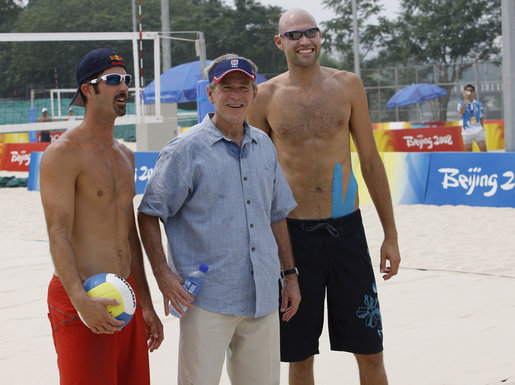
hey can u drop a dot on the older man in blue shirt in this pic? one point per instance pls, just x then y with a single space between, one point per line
223 199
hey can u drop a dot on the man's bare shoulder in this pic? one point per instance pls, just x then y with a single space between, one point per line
268 88
346 77
64 149
61 163
125 149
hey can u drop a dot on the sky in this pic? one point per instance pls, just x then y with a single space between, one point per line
315 7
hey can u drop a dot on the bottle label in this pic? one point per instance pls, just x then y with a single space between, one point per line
190 286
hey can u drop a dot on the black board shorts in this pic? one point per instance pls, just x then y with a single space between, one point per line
332 255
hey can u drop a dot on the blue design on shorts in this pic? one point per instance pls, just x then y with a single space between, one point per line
371 313
343 207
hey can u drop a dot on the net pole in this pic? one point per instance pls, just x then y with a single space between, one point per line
137 86
142 81
508 68
141 47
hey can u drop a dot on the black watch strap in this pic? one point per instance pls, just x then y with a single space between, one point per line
289 271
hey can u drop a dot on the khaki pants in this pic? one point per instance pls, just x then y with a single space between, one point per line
251 345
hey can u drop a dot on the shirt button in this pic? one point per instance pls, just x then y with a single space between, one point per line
252 225
248 202
253 249
244 178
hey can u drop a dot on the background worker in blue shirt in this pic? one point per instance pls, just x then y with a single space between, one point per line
223 199
472 112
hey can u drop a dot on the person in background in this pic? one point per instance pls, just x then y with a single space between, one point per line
45 134
223 199
310 112
472 112
71 115
87 190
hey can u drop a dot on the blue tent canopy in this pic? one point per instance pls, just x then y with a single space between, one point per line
179 84
415 94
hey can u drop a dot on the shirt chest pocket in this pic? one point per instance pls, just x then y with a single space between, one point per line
265 179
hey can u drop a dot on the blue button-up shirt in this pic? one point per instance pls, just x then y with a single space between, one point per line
217 201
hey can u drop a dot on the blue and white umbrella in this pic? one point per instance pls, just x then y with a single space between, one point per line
415 94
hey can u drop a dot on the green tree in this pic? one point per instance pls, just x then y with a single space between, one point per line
251 31
9 11
247 30
450 34
339 33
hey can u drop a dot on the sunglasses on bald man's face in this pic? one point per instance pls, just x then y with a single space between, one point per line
113 79
296 35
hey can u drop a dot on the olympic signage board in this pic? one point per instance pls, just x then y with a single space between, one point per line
428 139
16 156
472 179
144 166
54 135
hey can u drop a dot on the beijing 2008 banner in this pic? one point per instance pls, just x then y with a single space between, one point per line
144 166
427 139
478 179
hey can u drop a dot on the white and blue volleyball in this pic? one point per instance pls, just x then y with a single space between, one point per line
110 285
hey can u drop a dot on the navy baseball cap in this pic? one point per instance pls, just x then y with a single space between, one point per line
230 65
92 64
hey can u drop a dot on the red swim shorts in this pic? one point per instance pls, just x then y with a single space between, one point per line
87 358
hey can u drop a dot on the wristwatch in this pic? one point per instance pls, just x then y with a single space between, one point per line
289 271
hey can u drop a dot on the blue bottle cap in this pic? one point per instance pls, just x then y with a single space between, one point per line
204 268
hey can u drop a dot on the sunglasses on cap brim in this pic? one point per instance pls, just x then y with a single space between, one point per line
296 35
113 79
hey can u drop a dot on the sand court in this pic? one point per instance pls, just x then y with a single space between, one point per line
448 316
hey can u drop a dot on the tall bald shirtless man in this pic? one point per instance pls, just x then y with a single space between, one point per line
87 188
310 112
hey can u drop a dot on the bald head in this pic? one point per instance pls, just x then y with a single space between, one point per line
295 17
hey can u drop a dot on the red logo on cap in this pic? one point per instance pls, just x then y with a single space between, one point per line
234 63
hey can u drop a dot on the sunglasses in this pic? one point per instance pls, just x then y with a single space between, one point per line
113 79
296 35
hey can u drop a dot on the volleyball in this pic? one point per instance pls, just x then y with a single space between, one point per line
110 285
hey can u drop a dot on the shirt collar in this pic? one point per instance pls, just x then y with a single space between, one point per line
215 135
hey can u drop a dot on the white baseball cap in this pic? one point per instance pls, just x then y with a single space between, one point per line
44 109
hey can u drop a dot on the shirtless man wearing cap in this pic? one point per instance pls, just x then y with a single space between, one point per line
45 134
87 189
310 113
223 199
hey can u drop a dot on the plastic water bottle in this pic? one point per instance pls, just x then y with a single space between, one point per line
192 285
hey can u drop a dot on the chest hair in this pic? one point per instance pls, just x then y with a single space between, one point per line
318 118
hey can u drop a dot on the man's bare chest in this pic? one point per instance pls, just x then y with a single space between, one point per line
317 116
106 178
